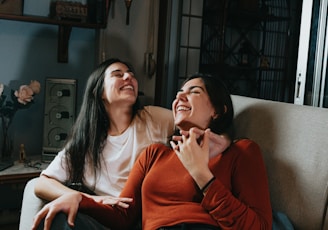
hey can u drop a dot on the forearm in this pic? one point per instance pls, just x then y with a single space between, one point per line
203 178
239 197
113 217
49 189
231 212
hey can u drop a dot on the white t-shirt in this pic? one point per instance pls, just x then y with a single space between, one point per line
154 124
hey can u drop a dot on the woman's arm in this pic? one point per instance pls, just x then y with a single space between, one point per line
236 195
48 188
114 216
67 203
50 184
247 204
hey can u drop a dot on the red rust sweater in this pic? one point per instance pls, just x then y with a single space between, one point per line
165 193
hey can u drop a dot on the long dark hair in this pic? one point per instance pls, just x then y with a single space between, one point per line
86 140
221 100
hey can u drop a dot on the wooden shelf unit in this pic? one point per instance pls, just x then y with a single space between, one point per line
64 28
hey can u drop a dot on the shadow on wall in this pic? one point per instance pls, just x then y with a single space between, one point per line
40 62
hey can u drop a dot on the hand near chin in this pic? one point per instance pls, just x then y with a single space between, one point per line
67 203
217 143
193 154
114 201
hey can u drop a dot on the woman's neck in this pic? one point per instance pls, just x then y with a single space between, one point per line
119 119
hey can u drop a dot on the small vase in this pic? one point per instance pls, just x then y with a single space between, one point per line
7 143
7 148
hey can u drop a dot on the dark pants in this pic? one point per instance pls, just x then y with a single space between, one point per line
81 222
187 226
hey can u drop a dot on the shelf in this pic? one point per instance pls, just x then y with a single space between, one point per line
51 21
64 29
21 172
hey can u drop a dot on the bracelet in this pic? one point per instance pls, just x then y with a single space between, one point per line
208 184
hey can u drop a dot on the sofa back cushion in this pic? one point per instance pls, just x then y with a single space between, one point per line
294 143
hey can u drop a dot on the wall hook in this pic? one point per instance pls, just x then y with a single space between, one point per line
128 5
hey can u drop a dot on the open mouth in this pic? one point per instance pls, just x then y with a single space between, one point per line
127 87
182 108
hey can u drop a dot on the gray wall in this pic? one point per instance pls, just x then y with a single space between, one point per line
29 51
130 42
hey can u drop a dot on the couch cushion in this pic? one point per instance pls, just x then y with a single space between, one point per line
294 142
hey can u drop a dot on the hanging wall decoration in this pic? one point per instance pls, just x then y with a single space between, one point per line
128 5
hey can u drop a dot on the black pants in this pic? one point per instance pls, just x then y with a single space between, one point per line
186 226
82 221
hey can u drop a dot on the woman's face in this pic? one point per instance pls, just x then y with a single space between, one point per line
192 106
120 85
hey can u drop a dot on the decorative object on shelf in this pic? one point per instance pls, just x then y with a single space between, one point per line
22 154
64 10
84 11
128 5
11 7
18 99
64 26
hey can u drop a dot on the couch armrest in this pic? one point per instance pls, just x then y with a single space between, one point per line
31 204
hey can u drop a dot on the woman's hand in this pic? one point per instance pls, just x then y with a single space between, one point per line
67 203
114 201
217 143
193 152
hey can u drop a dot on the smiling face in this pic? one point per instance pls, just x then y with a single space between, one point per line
120 85
192 106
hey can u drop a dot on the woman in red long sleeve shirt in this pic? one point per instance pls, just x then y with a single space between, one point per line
186 185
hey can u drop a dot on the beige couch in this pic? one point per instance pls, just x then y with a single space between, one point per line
294 142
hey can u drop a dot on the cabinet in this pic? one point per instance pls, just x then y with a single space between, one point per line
12 184
246 42
64 27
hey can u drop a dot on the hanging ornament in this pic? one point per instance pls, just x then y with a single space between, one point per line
128 5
